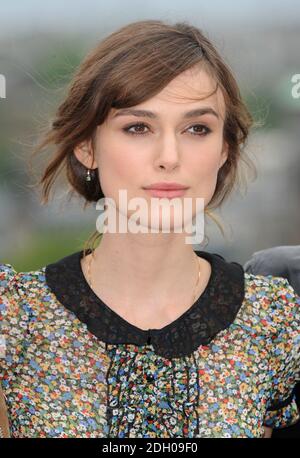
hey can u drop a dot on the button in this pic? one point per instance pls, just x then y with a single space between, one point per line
150 378
150 417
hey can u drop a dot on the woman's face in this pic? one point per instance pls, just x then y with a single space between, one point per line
164 144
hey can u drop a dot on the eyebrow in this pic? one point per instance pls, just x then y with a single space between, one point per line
152 115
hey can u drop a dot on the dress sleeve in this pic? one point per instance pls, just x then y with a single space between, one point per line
282 409
14 319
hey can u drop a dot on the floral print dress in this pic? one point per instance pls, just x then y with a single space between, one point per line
72 367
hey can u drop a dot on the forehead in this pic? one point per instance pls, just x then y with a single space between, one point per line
192 88
190 83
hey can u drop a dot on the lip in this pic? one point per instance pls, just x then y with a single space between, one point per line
166 186
166 193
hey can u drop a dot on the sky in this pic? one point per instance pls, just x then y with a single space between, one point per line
17 16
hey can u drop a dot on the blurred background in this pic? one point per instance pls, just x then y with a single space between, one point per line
41 45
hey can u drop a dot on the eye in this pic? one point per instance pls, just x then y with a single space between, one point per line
139 125
201 127
205 130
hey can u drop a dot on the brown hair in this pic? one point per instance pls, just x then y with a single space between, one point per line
126 68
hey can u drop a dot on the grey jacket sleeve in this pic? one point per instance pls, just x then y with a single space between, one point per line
279 261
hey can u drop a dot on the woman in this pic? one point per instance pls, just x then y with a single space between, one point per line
142 336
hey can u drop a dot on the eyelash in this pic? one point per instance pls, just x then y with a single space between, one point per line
126 129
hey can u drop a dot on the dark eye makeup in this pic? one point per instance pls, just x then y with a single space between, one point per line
205 130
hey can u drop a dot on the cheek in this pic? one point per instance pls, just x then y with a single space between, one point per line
117 169
204 168
206 159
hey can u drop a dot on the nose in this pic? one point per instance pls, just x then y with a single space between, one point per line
167 154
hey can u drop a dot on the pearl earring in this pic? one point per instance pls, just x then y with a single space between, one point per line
88 175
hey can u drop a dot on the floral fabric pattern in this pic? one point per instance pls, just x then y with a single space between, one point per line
62 380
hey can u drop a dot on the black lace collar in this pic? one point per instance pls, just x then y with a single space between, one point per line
213 311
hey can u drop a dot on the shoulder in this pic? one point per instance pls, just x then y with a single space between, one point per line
20 289
272 304
7 277
10 278
273 289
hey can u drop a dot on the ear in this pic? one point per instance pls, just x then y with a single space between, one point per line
224 154
84 153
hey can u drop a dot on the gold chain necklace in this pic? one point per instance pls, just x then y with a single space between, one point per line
195 289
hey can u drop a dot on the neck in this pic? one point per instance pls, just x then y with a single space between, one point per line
153 270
